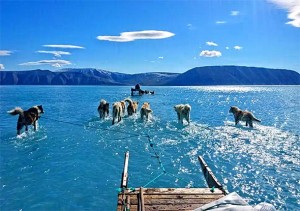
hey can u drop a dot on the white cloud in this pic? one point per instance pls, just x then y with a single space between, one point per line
161 57
191 26
237 47
234 13
208 53
53 63
221 22
227 48
137 35
64 46
5 53
55 53
211 43
293 7
2 67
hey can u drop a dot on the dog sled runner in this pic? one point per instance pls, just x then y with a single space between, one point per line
163 198
213 197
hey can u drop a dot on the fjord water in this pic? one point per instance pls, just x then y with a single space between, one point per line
74 161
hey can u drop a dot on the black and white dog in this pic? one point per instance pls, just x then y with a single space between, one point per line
103 109
29 117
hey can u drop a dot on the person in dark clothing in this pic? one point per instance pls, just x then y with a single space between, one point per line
138 86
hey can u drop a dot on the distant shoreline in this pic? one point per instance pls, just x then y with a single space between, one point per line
198 76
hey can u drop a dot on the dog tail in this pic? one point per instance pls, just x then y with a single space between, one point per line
128 101
255 119
102 101
148 110
16 111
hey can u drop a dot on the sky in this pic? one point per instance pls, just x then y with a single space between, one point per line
140 36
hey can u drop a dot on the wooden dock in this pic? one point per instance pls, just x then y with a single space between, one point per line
142 199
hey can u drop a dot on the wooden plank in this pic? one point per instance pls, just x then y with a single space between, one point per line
135 208
125 171
171 201
141 200
132 208
167 207
189 191
178 196
170 198
216 192
128 202
127 205
119 208
132 197
173 198
173 207
122 202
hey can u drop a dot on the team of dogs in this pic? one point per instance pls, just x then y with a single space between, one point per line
119 109
31 116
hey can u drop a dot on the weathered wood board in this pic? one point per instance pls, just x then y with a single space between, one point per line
169 198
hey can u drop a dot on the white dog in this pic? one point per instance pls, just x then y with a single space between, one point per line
183 112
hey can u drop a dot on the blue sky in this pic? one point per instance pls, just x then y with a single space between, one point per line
149 36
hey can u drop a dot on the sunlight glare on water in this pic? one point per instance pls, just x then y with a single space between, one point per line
228 89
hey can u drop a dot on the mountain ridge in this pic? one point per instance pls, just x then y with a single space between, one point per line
236 75
198 76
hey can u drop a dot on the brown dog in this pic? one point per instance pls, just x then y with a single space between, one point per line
245 116
117 112
29 117
132 106
103 109
123 104
145 110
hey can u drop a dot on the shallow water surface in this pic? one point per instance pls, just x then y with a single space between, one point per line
74 161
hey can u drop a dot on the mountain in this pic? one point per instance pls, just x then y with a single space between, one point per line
86 76
211 75
114 78
235 75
